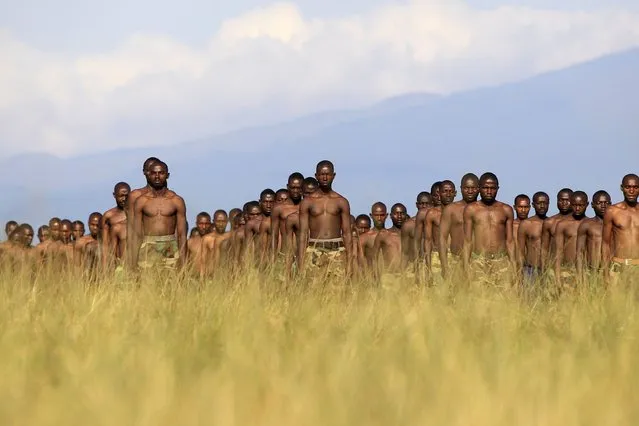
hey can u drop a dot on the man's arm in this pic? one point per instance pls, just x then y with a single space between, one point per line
522 233
545 243
138 227
510 243
559 250
377 247
428 239
444 230
582 238
131 240
275 231
204 256
347 236
181 227
302 233
419 235
106 239
606 241
468 236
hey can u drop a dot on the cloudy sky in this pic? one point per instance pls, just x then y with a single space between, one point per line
81 76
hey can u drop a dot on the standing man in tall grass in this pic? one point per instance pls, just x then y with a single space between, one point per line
550 225
529 238
160 218
488 231
621 230
325 224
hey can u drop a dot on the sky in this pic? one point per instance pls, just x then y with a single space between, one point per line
80 77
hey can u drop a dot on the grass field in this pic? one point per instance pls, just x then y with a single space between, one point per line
247 351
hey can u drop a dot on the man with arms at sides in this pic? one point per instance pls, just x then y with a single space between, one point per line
86 248
292 225
589 235
232 244
566 239
251 212
451 224
78 230
420 220
447 193
253 226
388 243
43 233
233 213
361 227
522 210
621 231
281 196
114 228
160 217
267 203
64 250
133 241
194 243
324 225
282 211
378 214
529 238
424 202
548 230
45 249
488 231
434 193
212 243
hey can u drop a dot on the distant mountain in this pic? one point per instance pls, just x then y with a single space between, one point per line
575 127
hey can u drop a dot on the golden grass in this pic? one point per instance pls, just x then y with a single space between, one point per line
248 351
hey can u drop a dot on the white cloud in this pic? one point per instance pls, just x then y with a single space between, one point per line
272 63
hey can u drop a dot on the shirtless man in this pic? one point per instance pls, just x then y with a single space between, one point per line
566 237
367 240
281 195
548 229
43 233
194 243
451 224
529 237
267 203
420 220
212 243
434 193
47 248
78 230
233 213
250 212
160 217
621 230
64 250
133 241
282 211
522 210
27 234
86 248
424 202
589 235
9 227
114 227
12 251
388 242
362 224
488 231
447 193
325 224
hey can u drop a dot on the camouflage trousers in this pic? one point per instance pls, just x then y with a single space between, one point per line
624 270
494 271
159 252
325 261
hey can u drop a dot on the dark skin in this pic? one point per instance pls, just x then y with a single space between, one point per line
254 217
367 240
621 226
549 227
388 243
566 234
212 244
133 240
267 204
420 221
49 246
488 225
424 202
114 228
589 236
529 234
78 231
325 214
85 246
65 249
292 225
281 212
160 211
522 210
194 244
432 232
451 224
43 234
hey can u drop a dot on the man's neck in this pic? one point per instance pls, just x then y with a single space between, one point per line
159 192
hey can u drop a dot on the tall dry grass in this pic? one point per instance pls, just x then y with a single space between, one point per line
248 350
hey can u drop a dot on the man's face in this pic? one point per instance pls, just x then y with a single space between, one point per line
266 204
379 215
120 196
435 194
94 226
579 205
309 188
563 202
362 226
325 176
157 176
470 190
78 231
10 228
447 194
600 204
27 237
281 197
522 208
203 224
65 233
424 202
630 189
488 190
295 189
219 222
541 205
16 237
398 216
54 230
44 235
253 213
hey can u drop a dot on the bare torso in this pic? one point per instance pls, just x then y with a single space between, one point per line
489 226
389 243
625 230
529 241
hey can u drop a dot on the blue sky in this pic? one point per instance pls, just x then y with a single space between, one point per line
86 76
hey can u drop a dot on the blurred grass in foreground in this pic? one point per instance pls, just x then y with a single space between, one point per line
248 351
